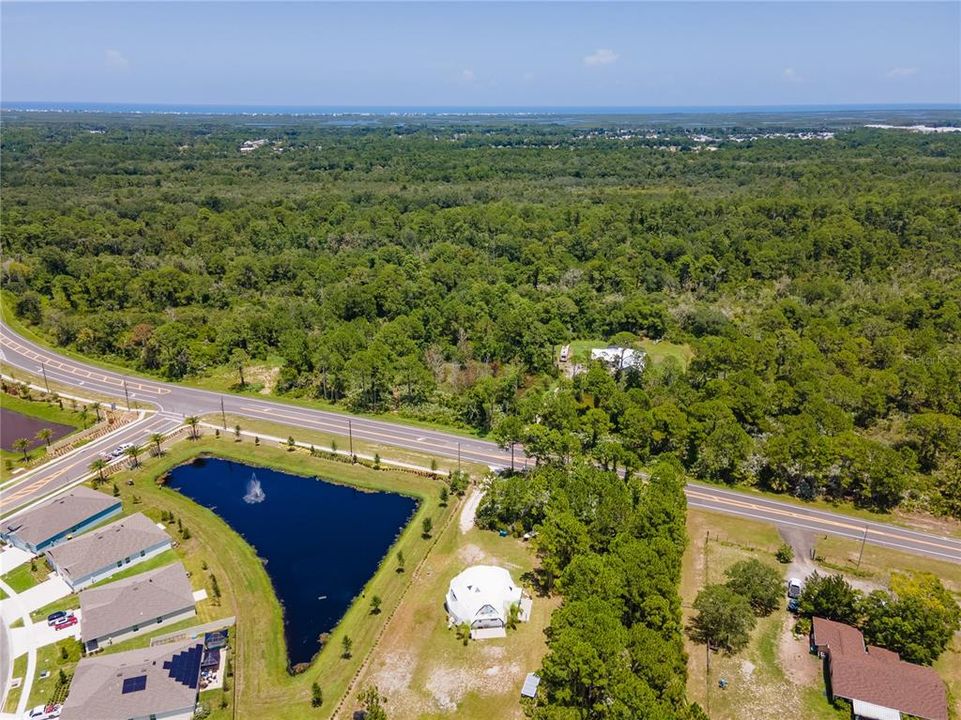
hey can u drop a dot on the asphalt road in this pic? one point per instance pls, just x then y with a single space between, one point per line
176 401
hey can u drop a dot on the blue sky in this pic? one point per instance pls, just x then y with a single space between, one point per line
483 54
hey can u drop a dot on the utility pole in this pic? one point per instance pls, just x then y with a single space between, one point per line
863 540
458 457
512 457
125 393
43 369
223 415
350 435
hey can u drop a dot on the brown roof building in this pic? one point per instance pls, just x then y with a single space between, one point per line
878 683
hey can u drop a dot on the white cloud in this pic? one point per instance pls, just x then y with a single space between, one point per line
467 75
897 73
791 75
602 56
116 59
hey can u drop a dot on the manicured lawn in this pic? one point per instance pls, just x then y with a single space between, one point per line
49 411
49 658
19 671
264 687
23 578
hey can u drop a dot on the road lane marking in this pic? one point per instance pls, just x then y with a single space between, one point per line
858 529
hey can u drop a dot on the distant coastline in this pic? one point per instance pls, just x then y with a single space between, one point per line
441 111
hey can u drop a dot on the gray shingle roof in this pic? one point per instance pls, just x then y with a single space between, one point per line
157 680
135 600
107 545
59 514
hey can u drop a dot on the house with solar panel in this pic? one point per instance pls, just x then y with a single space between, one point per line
104 552
123 609
160 682
59 519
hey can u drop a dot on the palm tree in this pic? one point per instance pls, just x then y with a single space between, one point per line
193 421
21 445
98 466
96 409
84 414
133 452
44 435
157 439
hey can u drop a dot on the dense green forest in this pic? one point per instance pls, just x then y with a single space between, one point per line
433 272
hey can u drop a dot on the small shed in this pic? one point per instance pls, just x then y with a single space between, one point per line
531 683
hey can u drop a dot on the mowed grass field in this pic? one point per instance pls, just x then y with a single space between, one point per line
776 676
421 667
263 686
657 350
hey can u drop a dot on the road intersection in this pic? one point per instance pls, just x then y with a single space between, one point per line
173 402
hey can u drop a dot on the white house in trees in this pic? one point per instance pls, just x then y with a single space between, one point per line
481 596
616 359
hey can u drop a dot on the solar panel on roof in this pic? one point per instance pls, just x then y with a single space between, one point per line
134 684
184 667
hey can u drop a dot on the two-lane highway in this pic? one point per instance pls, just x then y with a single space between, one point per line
178 401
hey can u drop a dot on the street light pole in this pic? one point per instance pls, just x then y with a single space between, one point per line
223 415
43 369
458 457
350 435
863 539
125 393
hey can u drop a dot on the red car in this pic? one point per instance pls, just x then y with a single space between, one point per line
65 622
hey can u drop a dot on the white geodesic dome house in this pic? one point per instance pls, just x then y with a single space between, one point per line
481 596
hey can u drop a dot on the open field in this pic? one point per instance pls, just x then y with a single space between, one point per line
264 688
775 675
657 350
421 667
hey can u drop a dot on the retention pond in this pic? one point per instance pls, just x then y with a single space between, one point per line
321 541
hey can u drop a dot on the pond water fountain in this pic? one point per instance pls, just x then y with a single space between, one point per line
320 542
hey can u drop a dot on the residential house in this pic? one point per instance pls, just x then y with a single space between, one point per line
107 550
156 683
142 603
58 519
877 683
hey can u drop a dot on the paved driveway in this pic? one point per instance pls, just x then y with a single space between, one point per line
44 593
35 636
12 558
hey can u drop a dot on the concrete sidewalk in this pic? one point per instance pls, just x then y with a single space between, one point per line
44 593
39 634
11 558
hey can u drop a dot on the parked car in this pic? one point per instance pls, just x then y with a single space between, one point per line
66 622
54 618
794 587
43 712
